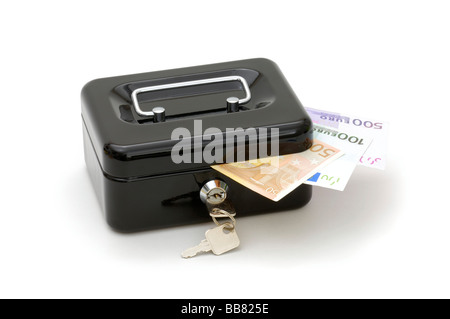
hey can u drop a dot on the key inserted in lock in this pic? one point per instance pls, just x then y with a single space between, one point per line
214 192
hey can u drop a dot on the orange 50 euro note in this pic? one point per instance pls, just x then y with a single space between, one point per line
275 177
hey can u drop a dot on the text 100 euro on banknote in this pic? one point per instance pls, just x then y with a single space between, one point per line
337 174
275 177
375 155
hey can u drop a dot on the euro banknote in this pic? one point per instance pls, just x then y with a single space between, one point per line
275 177
376 154
337 174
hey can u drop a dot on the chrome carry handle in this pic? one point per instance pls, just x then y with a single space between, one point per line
158 113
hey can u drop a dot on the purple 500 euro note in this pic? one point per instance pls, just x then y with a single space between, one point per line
376 154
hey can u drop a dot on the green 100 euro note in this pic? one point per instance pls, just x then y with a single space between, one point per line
275 177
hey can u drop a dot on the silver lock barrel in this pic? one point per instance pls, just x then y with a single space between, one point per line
214 192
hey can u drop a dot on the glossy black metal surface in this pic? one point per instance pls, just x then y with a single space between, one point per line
173 200
129 149
128 158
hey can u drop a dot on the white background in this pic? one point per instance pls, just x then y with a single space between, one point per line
386 235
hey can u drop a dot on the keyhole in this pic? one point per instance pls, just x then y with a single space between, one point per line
216 196
214 192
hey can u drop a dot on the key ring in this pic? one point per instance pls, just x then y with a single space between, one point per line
220 213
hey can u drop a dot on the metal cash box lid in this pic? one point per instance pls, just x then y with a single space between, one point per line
132 138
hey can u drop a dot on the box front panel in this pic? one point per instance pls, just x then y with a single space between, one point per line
174 200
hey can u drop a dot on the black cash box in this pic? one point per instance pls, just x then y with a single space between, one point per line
127 131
